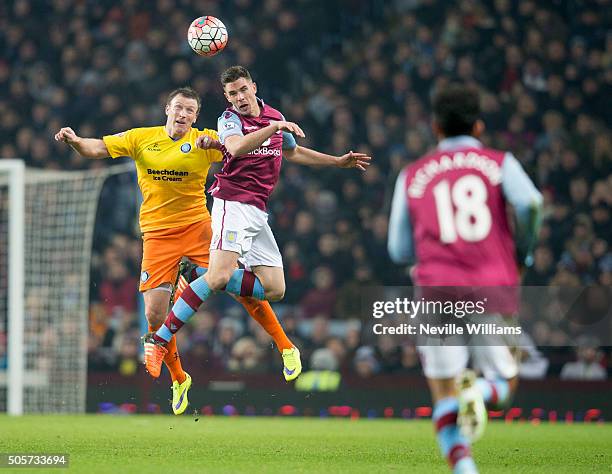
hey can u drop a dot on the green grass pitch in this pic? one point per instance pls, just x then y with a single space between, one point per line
139 443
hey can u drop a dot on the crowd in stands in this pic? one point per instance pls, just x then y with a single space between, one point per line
354 75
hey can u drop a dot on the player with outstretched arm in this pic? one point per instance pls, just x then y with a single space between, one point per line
174 219
256 137
449 217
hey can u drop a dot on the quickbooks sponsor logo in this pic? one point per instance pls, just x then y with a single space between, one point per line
266 151
167 175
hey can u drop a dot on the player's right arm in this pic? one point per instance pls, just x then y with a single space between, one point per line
87 147
238 144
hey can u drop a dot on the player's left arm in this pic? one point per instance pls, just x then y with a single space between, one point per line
399 236
526 200
306 156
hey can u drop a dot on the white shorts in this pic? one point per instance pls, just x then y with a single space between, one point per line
490 355
244 229
446 362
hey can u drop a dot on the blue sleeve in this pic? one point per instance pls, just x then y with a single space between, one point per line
228 124
399 243
289 142
526 200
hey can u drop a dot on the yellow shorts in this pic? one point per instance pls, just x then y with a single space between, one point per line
163 249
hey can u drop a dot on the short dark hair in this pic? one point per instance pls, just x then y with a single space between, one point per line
234 73
456 108
185 92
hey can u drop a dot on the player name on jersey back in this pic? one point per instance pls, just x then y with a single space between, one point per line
446 162
458 213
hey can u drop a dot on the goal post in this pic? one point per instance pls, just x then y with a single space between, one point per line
45 263
14 171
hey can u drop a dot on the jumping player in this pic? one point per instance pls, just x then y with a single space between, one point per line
255 138
174 219
449 217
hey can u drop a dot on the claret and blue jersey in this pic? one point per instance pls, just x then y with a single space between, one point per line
449 214
251 178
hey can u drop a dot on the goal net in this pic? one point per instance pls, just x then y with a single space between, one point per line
45 257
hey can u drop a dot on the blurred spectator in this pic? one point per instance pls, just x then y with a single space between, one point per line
229 330
316 335
409 362
588 365
348 301
128 355
323 375
388 353
533 364
337 348
323 359
245 356
321 299
543 267
117 290
365 362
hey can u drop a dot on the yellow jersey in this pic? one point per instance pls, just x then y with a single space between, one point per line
171 174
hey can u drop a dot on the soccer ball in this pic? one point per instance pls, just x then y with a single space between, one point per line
207 36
